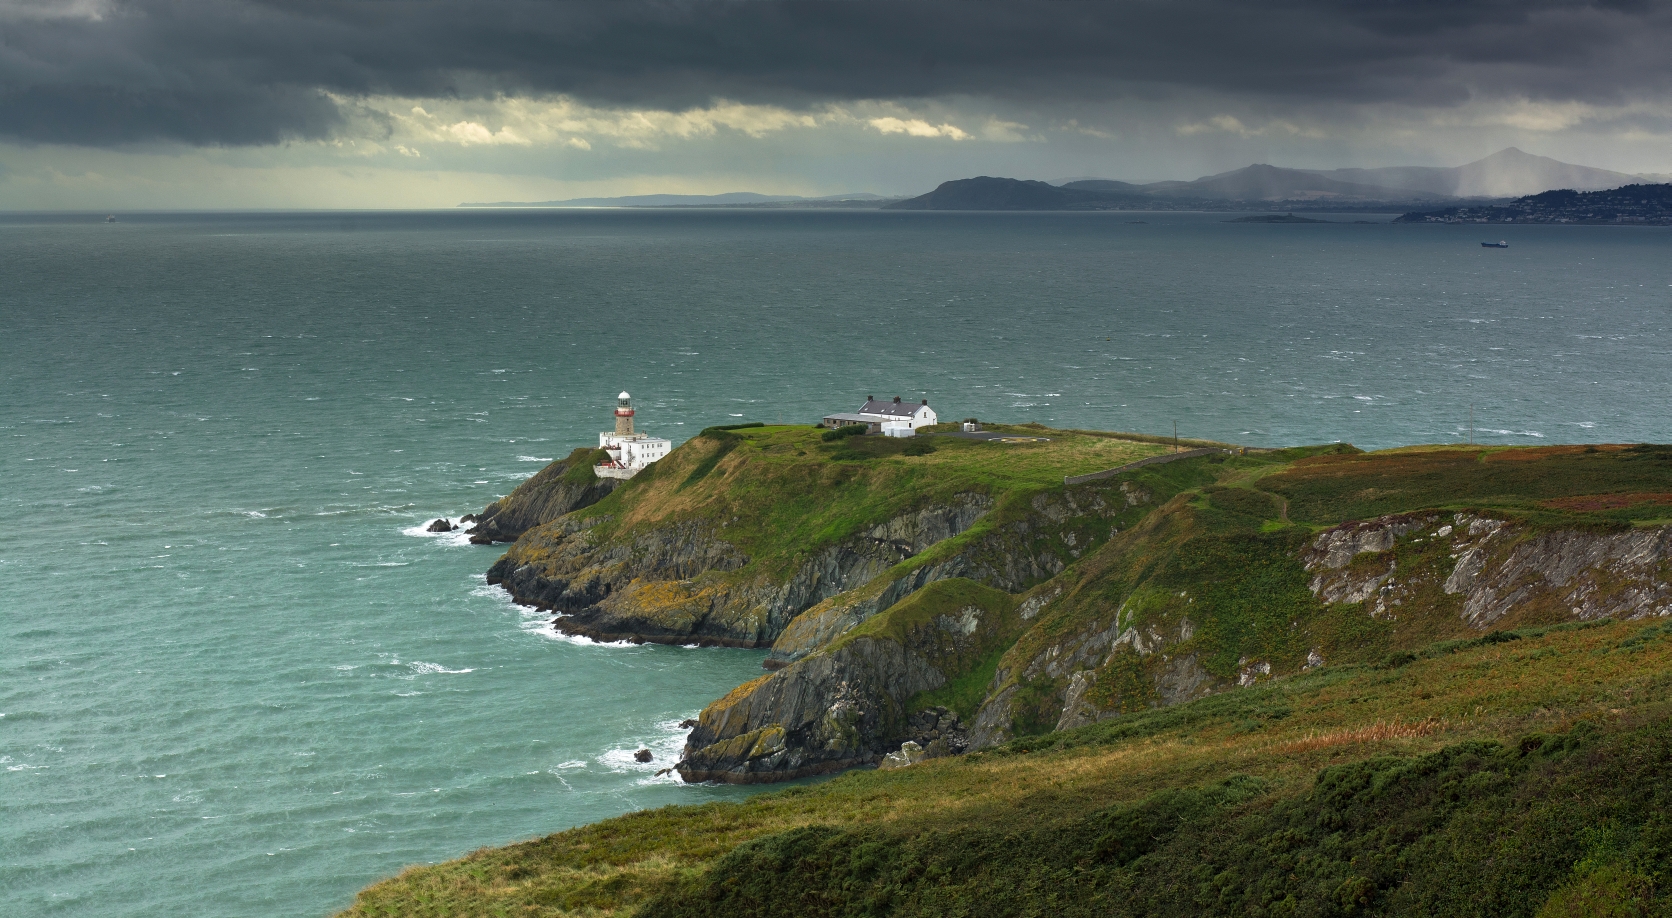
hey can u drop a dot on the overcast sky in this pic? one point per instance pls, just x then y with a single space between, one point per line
107 104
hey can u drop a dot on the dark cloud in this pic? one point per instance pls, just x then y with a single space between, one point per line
225 72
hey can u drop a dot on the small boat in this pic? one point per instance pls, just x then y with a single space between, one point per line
111 219
1500 244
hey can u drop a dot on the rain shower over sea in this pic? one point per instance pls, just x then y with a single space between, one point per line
237 677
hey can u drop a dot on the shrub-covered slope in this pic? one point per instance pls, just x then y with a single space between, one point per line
1523 773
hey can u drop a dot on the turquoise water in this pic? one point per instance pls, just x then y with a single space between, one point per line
237 679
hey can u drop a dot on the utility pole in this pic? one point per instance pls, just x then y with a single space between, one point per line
1175 436
1471 423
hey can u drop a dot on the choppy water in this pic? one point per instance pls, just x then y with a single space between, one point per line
237 679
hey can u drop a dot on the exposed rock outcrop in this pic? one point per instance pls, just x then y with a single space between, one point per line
1012 556
663 586
1487 572
566 485
1588 575
847 705
1499 567
1341 575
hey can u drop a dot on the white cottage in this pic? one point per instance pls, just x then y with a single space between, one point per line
895 419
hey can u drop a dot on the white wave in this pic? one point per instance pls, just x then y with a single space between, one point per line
255 514
544 627
536 621
666 745
533 459
572 763
425 669
458 536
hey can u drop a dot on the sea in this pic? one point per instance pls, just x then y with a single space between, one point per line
239 678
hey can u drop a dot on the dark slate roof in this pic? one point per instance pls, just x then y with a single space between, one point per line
899 410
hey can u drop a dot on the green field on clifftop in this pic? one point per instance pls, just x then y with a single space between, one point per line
782 491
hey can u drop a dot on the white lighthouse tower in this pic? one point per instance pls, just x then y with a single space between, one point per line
629 451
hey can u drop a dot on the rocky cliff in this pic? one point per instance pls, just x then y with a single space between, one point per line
848 704
1211 586
737 532
565 485
667 584
1200 600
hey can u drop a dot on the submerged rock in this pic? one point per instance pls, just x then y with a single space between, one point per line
643 755
441 526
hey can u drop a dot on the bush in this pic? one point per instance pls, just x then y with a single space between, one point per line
848 430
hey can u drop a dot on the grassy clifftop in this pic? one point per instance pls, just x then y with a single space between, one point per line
783 491
737 531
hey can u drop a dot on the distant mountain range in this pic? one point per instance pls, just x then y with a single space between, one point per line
1503 174
731 199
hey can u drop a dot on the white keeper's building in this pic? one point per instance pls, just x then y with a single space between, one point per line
629 452
893 419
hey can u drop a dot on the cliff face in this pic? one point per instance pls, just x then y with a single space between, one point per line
1379 585
848 705
1206 585
1031 545
875 662
565 485
664 587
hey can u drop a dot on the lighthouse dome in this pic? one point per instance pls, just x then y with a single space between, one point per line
624 395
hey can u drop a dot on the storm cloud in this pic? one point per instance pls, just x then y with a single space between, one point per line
225 73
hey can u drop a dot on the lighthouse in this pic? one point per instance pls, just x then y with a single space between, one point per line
624 415
628 451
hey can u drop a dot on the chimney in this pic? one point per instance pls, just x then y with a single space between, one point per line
870 398
925 401
896 399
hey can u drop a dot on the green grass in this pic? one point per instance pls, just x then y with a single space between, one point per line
1512 777
782 493
1539 481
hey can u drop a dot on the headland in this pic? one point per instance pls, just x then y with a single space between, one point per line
1088 689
